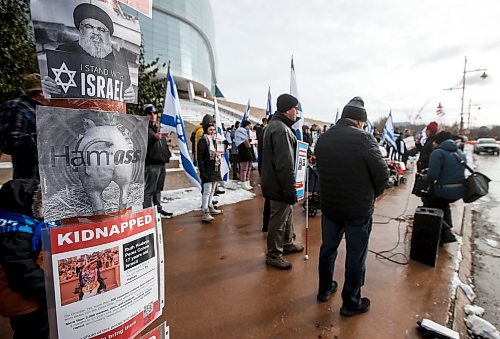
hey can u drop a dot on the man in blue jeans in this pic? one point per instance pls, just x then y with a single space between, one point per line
353 173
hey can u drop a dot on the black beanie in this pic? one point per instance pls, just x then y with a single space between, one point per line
285 102
17 196
85 11
355 109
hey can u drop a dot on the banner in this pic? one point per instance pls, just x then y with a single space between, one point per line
103 278
86 50
90 162
221 147
300 169
161 331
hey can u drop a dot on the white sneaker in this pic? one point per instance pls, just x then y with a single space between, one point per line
207 217
247 183
213 210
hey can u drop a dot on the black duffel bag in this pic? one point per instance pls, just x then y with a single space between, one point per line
476 184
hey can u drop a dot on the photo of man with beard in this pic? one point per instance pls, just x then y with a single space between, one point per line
95 31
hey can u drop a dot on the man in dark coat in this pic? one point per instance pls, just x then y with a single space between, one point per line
352 174
427 147
157 155
278 181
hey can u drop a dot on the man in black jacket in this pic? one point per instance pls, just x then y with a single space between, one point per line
278 181
158 154
352 174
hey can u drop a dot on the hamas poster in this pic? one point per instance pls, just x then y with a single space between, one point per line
86 49
104 278
300 169
90 162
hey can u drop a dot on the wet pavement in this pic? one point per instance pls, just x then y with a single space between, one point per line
486 239
218 286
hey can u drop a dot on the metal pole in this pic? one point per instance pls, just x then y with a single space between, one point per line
468 117
463 93
306 196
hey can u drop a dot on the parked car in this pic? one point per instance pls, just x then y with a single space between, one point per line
486 145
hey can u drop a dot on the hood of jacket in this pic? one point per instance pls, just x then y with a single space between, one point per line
449 145
17 196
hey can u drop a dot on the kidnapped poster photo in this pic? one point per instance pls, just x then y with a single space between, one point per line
86 49
91 162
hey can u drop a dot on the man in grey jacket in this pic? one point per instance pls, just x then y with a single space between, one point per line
352 174
278 181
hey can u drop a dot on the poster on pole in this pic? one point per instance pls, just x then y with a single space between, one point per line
143 6
86 49
300 169
91 162
103 278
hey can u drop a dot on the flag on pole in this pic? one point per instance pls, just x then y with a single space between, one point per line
224 166
369 127
269 107
297 126
389 131
171 121
423 136
337 116
246 113
440 110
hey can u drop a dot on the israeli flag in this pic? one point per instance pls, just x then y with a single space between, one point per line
224 166
423 136
369 127
171 121
337 116
247 112
297 126
389 131
269 107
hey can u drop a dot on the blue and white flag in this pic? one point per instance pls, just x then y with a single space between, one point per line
269 106
369 127
389 131
171 121
297 126
224 166
423 136
246 113
337 116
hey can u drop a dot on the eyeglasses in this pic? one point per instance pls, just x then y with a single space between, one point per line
100 29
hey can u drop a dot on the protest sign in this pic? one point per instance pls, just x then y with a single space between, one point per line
90 162
162 331
86 50
300 169
103 278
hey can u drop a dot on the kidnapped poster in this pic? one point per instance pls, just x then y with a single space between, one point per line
91 162
86 49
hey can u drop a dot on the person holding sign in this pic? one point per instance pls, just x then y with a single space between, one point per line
278 181
209 161
352 174
95 29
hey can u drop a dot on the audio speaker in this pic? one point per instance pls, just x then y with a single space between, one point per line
425 236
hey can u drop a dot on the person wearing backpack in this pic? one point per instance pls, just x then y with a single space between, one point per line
18 128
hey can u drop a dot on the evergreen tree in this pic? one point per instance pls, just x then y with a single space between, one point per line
151 86
18 56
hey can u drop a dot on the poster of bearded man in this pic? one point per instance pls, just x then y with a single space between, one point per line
86 49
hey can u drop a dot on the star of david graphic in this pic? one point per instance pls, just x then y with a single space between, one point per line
71 77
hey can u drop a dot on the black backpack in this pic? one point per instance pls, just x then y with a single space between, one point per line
7 121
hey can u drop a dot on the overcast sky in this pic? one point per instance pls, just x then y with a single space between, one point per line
395 54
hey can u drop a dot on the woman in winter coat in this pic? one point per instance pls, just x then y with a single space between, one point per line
447 176
209 165
245 153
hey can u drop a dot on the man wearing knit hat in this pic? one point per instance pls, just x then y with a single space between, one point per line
18 128
278 181
427 148
353 173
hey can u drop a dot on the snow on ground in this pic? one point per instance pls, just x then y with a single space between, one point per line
481 328
186 200
492 243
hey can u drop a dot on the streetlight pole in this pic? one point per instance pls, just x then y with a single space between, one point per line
483 76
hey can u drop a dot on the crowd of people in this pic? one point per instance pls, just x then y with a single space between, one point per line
348 192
